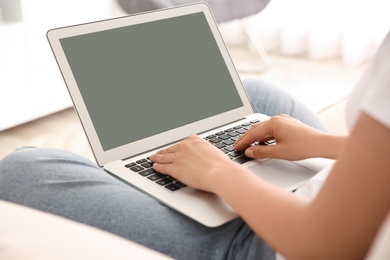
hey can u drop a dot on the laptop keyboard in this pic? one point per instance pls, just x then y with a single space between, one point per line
144 168
223 140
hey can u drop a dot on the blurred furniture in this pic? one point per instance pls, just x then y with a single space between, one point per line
223 11
26 233
10 11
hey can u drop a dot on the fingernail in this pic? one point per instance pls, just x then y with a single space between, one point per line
249 152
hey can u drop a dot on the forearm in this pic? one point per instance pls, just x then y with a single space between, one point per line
340 222
269 211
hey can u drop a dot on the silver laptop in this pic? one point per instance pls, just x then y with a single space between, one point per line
143 82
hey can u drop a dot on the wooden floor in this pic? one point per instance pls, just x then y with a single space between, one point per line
310 80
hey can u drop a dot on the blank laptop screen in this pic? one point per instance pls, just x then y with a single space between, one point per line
141 80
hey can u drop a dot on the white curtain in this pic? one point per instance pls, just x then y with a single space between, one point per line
348 29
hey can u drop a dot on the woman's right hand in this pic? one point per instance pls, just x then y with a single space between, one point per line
293 140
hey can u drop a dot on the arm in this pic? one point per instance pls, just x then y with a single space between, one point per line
294 140
339 223
343 219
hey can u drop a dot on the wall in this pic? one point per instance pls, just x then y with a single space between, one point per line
30 82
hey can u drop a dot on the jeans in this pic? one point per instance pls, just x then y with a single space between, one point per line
73 187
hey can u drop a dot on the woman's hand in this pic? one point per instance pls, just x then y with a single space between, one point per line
294 140
192 161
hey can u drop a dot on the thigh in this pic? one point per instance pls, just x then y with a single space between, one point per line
68 185
272 100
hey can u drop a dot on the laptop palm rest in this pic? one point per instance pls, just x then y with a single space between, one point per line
211 210
284 174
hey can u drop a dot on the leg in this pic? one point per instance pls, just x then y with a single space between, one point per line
271 100
68 185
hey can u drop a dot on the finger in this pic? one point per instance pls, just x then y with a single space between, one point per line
256 133
163 158
163 168
247 134
262 151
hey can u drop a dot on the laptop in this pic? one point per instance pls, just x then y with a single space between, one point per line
143 82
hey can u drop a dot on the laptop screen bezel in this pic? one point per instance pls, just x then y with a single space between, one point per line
150 143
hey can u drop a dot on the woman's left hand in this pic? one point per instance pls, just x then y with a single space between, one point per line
192 161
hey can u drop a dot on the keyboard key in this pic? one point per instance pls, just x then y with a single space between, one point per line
224 137
141 161
156 176
130 165
137 168
235 154
229 148
220 145
228 142
270 142
147 164
164 181
210 136
233 134
180 184
242 159
215 140
172 187
241 131
235 138
147 172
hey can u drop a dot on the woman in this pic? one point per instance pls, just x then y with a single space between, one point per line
340 222
343 218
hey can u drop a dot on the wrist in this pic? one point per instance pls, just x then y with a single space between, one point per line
227 176
329 145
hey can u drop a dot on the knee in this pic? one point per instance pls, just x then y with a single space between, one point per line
264 96
22 156
30 154
255 86
33 159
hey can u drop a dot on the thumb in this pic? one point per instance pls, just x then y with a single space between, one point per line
260 151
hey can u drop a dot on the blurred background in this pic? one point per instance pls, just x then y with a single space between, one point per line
316 50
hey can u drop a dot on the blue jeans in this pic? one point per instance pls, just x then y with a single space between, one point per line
71 186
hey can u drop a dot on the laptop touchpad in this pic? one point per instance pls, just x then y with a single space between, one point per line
284 174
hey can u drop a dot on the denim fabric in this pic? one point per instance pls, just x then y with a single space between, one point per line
68 185
71 186
272 100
